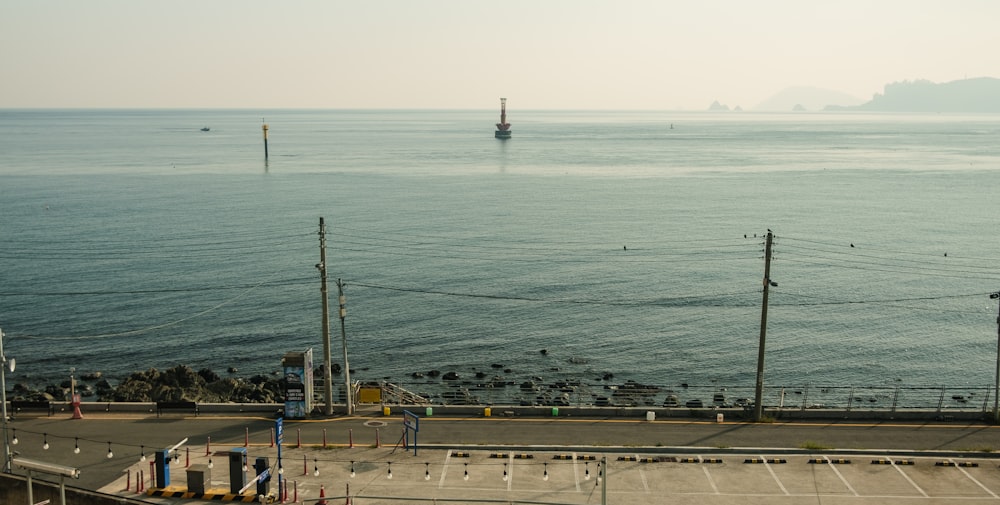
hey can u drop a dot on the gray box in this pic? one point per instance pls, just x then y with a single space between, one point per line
197 477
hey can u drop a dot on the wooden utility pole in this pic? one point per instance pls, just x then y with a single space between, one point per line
348 391
758 407
327 362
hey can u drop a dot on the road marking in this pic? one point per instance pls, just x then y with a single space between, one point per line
775 476
908 479
444 469
973 479
642 477
711 481
842 479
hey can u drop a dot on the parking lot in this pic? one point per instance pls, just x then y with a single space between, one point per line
392 475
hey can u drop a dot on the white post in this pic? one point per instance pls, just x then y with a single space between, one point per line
3 387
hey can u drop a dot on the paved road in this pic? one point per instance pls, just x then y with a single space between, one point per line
440 437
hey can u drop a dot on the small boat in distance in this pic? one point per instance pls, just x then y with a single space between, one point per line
205 129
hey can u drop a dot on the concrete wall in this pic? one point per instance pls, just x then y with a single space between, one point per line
14 491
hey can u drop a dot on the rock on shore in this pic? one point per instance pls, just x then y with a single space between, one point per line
180 383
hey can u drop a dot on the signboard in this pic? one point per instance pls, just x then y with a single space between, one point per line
411 422
298 370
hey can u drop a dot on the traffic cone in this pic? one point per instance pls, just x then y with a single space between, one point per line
76 407
322 495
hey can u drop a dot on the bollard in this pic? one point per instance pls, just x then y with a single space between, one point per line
377 443
350 438
272 437
298 438
324 438
295 497
187 457
152 474
128 480
208 445
246 437
305 466
139 480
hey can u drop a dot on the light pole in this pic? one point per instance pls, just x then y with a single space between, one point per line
996 383
3 388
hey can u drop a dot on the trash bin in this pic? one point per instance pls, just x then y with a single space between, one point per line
650 415
555 411
430 411
718 418
386 411
487 412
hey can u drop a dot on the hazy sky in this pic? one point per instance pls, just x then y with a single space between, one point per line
541 54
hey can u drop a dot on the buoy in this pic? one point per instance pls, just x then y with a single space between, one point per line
322 496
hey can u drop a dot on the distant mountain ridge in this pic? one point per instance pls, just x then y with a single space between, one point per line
981 94
806 98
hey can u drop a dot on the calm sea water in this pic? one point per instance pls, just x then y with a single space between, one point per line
628 243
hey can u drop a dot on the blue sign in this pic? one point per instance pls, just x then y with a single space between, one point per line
279 431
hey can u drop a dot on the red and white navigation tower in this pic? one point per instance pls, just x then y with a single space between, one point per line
503 127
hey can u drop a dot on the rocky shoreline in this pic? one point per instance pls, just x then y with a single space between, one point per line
180 383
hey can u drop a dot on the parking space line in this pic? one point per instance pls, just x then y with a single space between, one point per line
642 477
775 476
576 472
973 479
842 479
510 471
711 481
444 469
908 479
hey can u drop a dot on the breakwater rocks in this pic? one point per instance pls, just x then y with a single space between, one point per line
180 383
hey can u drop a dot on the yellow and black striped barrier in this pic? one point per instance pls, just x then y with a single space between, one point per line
840 461
522 455
563 456
214 496
461 454
689 460
648 460
712 460
763 460
969 464
587 457
884 461
498 455
627 458
944 463
818 461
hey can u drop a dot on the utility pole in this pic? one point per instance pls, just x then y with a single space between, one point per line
758 407
327 362
348 391
996 384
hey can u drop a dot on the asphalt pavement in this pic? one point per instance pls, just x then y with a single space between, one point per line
553 459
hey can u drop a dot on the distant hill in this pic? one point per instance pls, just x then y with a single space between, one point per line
805 98
967 95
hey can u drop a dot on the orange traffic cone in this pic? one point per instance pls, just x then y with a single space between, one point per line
322 496
76 407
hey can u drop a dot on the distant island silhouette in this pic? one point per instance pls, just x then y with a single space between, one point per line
977 95
980 94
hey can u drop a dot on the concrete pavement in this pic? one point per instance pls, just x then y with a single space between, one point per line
679 461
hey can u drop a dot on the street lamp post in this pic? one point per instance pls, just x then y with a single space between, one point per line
3 388
996 376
